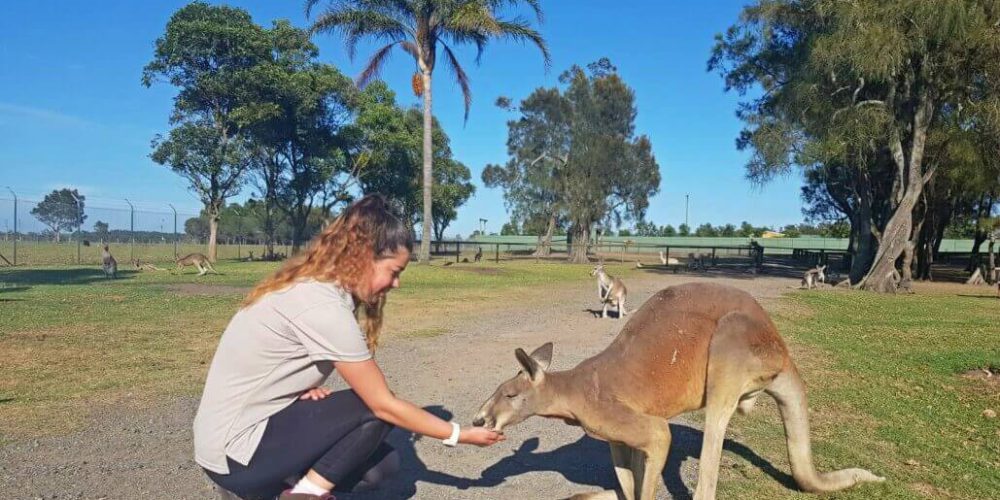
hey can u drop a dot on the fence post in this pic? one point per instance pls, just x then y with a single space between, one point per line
78 222
15 222
131 230
175 229
497 259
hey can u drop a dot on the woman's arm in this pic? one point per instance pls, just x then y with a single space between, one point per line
367 380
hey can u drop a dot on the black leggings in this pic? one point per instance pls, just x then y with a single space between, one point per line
338 437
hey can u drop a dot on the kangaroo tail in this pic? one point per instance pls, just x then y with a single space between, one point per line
790 393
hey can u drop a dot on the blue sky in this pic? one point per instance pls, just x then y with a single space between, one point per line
73 111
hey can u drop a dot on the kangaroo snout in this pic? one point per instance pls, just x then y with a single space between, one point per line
479 422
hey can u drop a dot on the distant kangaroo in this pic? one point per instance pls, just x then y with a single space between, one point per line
479 255
197 260
108 263
814 276
691 346
610 290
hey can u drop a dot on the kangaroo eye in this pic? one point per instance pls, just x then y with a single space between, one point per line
510 396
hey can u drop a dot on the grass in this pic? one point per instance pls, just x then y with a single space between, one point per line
886 393
884 372
70 339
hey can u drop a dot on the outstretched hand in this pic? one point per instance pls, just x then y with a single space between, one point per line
316 393
480 436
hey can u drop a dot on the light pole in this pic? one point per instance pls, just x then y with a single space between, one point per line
175 229
239 229
686 200
15 222
131 230
78 222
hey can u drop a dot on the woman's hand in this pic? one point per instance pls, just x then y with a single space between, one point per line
316 393
479 436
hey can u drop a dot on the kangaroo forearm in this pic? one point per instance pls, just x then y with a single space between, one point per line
411 417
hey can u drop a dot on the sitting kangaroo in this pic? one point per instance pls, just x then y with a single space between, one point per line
610 290
108 263
691 346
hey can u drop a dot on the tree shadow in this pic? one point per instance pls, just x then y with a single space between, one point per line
59 276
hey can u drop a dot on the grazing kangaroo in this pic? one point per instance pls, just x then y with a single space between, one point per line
108 263
479 255
691 346
197 260
610 290
814 276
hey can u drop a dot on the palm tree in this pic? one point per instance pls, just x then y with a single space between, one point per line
420 27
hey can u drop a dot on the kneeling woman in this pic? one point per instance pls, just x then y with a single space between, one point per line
263 416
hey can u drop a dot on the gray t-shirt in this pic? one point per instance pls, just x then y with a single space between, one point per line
272 351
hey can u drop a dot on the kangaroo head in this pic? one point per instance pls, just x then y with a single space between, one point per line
519 397
598 269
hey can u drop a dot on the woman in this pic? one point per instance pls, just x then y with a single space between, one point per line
264 417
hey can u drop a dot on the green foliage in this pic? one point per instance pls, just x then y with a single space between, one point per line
683 230
573 153
60 210
706 229
509 229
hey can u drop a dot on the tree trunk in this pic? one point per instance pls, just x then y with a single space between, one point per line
544 248
213 234
425 238
864 247
883 276
581 240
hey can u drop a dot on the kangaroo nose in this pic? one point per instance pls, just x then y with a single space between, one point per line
479 422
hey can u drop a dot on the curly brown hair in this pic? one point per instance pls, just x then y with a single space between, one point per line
344 253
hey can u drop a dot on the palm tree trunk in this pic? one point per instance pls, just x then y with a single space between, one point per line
425 238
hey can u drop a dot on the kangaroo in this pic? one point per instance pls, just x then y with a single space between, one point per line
197 260
814 276
610 290
479 255
108 263
145 266
691 346
696 261
668 261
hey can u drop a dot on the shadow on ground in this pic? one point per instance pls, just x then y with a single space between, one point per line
57 276
585 463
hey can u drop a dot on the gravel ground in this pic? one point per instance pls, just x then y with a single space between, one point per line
130 453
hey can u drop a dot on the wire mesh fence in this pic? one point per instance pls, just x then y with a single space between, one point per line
37 234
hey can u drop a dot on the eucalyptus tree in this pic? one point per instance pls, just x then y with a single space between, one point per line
859 83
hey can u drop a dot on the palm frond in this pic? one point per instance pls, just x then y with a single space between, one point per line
356 24
536 6
410 48
520 30
374 65
460 77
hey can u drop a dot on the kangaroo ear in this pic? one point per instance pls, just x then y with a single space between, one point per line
529 365
543 355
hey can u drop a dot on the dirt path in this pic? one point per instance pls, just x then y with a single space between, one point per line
127 453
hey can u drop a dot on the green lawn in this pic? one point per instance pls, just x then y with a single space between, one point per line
70 338
884 372
885 389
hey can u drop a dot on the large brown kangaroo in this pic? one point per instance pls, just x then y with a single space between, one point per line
691 346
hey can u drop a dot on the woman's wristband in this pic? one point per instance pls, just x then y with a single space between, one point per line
453 439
